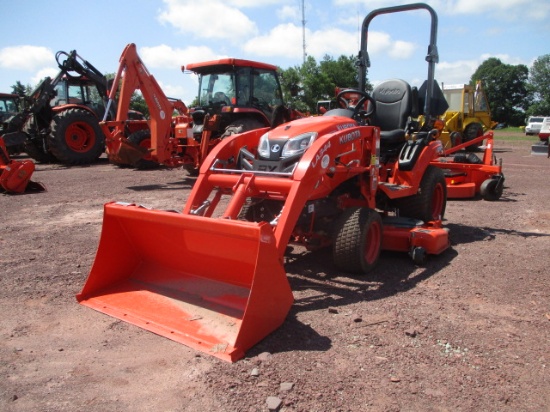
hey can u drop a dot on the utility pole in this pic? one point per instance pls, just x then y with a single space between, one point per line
304 30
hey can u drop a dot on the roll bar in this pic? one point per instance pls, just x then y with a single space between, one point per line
432 57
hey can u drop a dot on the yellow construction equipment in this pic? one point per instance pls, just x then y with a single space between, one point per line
468 115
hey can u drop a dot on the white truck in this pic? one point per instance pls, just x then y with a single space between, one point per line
534 124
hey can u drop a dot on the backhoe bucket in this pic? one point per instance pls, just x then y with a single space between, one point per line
216 285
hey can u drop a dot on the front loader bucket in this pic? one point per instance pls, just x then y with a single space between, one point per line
215 285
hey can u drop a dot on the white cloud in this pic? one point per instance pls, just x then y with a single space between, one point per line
508 9
504 58
457 72
290 13
378 42
401 50
461 71
27 58
42 73
175 91
252 3
166 57
283 40
286 40
334 42
499 7
208 19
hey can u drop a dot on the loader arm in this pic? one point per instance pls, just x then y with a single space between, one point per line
331 160
211 280
75 63
132 75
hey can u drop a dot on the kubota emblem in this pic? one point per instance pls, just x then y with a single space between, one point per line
275 148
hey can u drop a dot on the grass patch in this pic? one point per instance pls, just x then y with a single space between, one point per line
514 134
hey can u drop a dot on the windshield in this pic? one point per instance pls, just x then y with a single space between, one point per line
8 105
454 99
480 102
76 92
217 88
535 119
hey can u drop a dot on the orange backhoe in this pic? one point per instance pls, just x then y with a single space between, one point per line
234 96
212 276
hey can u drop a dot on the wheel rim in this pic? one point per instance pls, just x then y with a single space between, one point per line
80 137
146 144
438 200
373 240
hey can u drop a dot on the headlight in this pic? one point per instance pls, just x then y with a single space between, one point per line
263 147
297 144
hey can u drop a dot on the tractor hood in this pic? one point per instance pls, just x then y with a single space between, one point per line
292 139
279 150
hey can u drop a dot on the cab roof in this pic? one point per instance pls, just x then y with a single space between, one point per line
9 95
228 64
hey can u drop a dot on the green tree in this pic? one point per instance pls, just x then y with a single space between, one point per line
318 81
21 90
539 86
291 86
341 73
137 102
506 89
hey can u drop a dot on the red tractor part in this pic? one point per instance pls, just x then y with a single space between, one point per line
235 96
467 175
216 286
15 176
212 277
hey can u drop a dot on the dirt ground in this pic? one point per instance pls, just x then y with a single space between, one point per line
470 331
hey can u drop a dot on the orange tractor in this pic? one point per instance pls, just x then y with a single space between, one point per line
234 96
212 276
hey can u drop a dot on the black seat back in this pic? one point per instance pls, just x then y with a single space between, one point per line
395 102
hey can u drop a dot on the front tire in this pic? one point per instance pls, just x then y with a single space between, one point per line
76 138
35 144
491 189
357 240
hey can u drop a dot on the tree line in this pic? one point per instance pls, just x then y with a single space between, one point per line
514 91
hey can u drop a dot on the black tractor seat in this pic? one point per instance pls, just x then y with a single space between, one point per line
396 103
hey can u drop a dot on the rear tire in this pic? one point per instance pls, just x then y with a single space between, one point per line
430 201
76 138
472 131
142 138
357 240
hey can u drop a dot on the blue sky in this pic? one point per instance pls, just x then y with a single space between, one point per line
171 33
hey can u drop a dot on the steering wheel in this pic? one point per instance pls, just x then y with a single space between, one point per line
348 103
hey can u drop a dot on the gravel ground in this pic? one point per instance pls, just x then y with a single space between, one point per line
469 331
